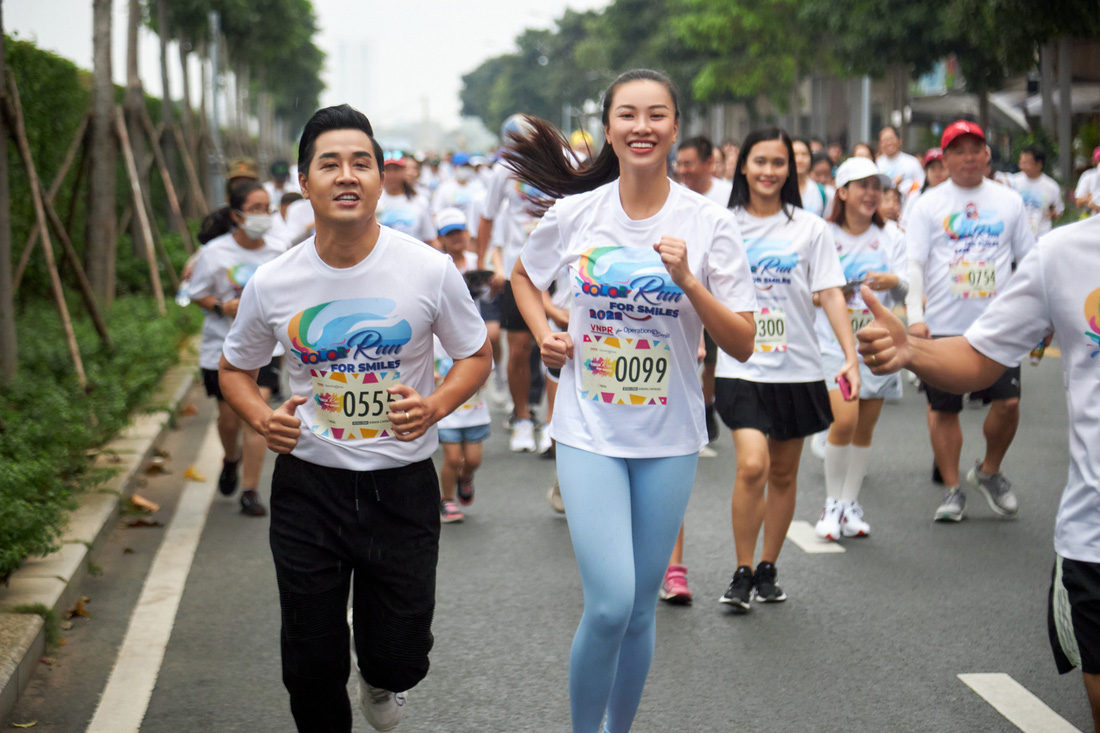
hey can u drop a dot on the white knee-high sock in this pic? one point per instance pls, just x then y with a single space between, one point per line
857 469
836 469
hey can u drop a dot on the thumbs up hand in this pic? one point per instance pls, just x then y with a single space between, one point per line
282 428
884 342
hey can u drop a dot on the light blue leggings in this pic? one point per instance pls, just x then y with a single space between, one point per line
624 515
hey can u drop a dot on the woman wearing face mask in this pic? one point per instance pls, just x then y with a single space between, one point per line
870 256
235 247
629 409
775 399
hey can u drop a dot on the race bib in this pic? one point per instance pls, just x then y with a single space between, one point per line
859 317
622 371
972 280
474 401
351 405
771 331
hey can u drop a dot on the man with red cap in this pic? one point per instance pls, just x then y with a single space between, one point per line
962 239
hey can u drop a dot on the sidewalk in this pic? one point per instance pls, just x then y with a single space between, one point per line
54 581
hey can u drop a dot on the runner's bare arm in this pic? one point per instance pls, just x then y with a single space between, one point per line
834 304
279 426
413 413
950 364
554 346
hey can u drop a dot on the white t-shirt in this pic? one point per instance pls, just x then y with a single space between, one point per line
631 389
907 166
276 195
876 250
349 334
817 198
1057 287
506 205
299 218
719 192
968 239
222 270
408 216
1039 195
791 259
459 195
1087 183
472 412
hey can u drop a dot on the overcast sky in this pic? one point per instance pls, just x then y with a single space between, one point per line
391 59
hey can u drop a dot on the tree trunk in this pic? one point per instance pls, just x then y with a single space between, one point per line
983 106
133 102
100 250
1046 86
186 124
9 350
1065 109
167 114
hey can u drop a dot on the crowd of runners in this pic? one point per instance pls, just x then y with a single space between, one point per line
615 302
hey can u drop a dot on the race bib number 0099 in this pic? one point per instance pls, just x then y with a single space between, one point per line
972 280
352 406
771 331
859 317
622 371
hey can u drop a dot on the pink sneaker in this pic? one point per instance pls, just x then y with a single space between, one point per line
675 587
449 512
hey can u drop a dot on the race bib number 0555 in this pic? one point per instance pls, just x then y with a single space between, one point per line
622 371
352 406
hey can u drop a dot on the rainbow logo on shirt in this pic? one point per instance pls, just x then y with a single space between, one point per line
239 275
972 222
859 266
1092 318
527 192
357 328
621 272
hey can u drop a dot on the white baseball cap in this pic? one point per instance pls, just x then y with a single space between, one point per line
449 220
856 169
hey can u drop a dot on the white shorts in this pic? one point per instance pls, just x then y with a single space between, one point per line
871 386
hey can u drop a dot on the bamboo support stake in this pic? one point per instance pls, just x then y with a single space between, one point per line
28 248
189 167
169 188
14 111
139 209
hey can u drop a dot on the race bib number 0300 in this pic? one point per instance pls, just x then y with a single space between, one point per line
771 331
352 406
622 371
972 280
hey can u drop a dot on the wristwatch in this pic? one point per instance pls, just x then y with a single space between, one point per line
217 308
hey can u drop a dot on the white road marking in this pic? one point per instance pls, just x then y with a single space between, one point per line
802 534
1017 704
126 698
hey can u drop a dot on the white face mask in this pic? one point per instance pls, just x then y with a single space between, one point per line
463 173
256 225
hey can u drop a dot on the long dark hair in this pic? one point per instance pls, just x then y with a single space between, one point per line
789 195
543 159
220 221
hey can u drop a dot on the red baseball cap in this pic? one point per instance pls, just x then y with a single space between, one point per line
1096 155
958 128
932 154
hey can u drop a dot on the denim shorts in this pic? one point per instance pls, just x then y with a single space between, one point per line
472 434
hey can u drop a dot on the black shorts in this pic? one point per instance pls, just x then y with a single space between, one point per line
712 349
267 377
489 308
1005 388
782 411
510 317
1073 615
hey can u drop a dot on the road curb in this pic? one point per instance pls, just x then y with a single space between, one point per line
54 580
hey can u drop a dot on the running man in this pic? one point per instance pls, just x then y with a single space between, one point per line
354 494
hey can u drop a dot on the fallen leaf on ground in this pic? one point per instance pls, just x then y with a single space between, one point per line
161 453
48 660
25 725
143 523
127 551
192 475
140 502
156 466
79 609
65 625
188 410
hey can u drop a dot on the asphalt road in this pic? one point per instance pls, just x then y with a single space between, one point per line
870 640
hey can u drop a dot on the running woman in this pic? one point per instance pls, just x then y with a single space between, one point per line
220 275
870 256
354 494
400 207
776 398
650 263
1056 288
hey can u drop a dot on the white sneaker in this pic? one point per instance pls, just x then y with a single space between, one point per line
817 444
828 527
543 439
523 436
554 497
851 521
382 708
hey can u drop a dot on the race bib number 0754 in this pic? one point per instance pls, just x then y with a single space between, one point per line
972 280
351 405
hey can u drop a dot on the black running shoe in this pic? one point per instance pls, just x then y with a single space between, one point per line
464 490
937 477
712 424
737 596
251 504
766 589
227 482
